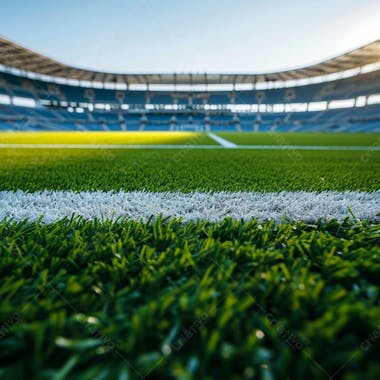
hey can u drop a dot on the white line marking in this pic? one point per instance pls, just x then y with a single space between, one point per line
292 206
241 147
225 143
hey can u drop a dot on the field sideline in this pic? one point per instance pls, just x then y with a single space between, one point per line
309 207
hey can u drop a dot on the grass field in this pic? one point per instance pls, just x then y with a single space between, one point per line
187 170
111 138
190 138
289 138
168 299
162 300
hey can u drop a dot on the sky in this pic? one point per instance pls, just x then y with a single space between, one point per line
249 36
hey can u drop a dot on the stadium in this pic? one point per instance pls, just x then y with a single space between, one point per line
337 95
188 225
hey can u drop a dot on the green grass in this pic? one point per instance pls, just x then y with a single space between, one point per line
296 138
111 138
187 170
167 300
189 138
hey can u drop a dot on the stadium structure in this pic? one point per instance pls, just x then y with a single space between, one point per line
340 94
189 245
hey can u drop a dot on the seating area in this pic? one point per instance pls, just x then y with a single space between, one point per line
360 85
66 107
353 119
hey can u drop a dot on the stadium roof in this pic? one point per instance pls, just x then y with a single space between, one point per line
19 57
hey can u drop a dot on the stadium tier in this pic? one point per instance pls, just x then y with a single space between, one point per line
342 94
25 118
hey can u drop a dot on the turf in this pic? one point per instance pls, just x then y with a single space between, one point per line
188 170
112 138
171 300
167 300
289 138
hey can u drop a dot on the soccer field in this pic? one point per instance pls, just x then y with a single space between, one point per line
182 139
188 170
189 264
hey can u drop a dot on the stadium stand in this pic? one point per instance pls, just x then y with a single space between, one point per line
342 94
